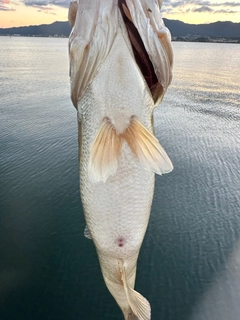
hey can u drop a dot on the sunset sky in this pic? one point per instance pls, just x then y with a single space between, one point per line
34 12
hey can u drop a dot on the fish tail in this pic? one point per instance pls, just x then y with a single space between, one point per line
106 149
140 307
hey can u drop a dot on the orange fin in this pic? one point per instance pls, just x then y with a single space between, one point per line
106 148
147 149
104 153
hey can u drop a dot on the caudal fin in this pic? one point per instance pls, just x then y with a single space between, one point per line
107 146
139 305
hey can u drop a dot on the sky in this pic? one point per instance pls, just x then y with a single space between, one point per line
35 12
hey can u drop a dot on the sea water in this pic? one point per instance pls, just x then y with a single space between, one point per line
189 264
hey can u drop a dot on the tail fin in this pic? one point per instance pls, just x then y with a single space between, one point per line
139 305
107 146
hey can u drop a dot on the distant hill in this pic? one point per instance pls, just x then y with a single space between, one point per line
56 28
178 29
218 29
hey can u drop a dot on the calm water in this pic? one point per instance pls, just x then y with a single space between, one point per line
189 265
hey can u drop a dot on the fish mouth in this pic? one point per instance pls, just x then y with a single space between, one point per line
140 54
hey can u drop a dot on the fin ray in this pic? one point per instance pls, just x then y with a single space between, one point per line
106 149
104 153
139 305
147 148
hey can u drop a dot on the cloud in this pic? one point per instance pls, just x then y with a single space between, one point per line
60 3
169 6
45 9
2 8
226 11
227 4
200 6
178 3
202 9
5 6
42 8
36 3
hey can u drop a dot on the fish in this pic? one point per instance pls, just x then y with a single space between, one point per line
121 60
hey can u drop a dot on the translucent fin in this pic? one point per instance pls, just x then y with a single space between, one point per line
147 149
104 153
94 28
106 148
87 233
139 305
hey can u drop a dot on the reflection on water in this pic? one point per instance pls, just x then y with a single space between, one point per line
209 76
221 301
188 268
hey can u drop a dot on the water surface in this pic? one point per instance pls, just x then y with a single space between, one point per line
189 261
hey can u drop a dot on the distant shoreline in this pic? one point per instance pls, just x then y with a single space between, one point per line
174 39
206 39
217 32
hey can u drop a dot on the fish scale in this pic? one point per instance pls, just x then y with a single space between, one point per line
126 199
118 152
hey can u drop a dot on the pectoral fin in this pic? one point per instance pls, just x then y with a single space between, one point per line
106 149
147 149
104 153
87 233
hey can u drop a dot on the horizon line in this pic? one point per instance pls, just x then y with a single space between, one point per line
208 23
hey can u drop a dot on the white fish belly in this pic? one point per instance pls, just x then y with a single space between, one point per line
119 208
116 211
